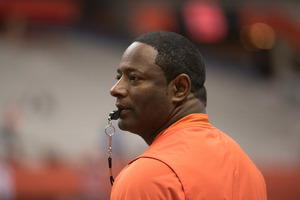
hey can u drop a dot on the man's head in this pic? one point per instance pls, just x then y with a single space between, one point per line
154 85
177 55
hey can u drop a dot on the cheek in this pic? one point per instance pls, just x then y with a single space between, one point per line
151 109
152 102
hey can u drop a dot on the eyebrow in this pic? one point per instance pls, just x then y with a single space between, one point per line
127 70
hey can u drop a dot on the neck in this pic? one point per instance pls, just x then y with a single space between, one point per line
189 106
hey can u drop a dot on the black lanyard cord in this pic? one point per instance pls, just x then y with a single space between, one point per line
114 115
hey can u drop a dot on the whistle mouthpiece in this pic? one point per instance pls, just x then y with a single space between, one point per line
114 115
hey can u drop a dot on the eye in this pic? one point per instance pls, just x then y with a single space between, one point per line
133 79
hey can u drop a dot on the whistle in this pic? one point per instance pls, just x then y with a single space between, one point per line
114 115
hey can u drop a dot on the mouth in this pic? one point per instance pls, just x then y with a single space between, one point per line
122 110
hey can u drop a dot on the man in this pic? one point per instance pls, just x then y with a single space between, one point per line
161 95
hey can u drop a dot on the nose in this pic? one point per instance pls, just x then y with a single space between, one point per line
118 90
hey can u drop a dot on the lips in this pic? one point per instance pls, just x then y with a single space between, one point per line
122 108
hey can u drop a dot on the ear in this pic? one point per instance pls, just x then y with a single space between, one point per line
181 87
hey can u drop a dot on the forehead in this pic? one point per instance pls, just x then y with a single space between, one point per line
139 56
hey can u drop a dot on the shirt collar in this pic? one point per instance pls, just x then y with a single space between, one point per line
189 120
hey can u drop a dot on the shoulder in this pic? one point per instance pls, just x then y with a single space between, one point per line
147 178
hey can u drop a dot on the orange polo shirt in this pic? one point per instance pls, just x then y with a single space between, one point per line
191 160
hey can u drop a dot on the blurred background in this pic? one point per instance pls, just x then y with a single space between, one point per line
58 61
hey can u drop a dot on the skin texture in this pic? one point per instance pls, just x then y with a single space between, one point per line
149 105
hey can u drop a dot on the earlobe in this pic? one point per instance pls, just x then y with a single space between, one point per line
182 87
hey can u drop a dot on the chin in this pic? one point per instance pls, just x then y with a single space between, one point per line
130 127
124 126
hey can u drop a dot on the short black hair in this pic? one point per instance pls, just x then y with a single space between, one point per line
177 55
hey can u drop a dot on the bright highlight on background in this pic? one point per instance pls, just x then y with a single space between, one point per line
205 21
257 36
150 16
